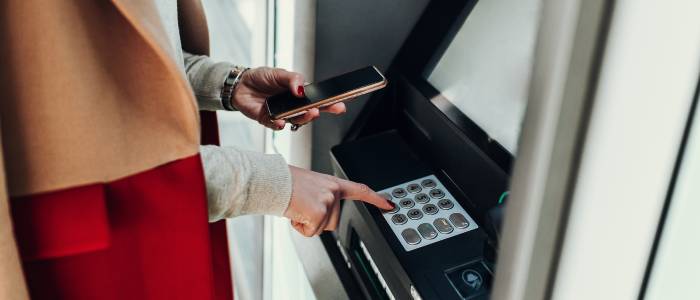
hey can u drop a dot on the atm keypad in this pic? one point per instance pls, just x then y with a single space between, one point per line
425 213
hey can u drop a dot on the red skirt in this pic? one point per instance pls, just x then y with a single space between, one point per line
141 237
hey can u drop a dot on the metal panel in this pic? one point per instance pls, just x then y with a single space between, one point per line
552 131
351 35
645 89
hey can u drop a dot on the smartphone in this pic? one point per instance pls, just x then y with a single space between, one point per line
340 88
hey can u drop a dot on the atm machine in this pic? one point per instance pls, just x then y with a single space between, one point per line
439 142
583 78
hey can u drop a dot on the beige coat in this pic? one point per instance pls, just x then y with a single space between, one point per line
88 93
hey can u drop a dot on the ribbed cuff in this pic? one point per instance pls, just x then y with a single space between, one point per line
243 182
207 79
209 91
270 188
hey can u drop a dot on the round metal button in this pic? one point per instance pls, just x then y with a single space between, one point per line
443 225
392 211
413 188
445 204
414 214
427 231
422 198
407 203
429 183
437 193
459 220
399 193
430 209
399 219
411 236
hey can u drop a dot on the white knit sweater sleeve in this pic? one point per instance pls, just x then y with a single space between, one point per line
206 77
242 182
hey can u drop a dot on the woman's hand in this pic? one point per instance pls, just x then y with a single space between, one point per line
315 204
259 83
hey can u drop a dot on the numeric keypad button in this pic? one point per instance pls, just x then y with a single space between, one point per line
427 231
428 183
407 203
413 188
436 193
393 210
430 209
422 198
414 214
459 220
445 204
410 235
443 225
399 219
399 193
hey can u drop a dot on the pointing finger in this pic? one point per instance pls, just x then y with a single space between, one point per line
357 191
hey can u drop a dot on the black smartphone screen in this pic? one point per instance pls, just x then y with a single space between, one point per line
325 89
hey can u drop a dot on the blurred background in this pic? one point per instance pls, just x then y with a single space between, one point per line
256 33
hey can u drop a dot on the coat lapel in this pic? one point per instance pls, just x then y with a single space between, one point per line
143 16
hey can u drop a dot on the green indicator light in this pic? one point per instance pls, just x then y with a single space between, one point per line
503 197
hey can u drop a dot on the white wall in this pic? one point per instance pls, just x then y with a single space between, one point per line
676 271
646 84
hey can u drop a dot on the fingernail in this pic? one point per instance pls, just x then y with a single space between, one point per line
392 204
300 90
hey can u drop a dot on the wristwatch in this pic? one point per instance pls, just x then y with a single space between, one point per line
230 83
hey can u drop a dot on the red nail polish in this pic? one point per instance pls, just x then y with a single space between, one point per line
300 90
392 204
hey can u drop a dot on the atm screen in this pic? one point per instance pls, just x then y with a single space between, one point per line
485 69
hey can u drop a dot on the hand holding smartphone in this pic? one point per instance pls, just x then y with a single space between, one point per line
327 92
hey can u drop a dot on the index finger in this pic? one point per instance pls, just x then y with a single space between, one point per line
356 191
293 80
